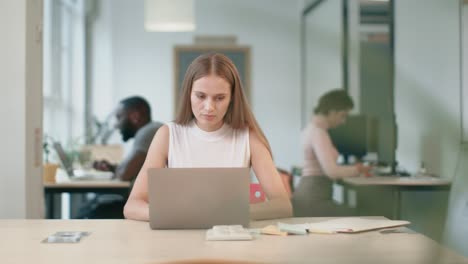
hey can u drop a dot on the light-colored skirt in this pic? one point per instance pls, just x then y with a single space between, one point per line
314 197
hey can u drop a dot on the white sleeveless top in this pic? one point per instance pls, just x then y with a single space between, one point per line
192 147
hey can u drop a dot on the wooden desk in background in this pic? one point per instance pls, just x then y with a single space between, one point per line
101 187
126 241
397 185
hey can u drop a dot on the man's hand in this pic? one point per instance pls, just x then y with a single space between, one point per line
103 165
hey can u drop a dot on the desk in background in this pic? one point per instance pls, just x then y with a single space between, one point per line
126 241
100 187
420 181
396 185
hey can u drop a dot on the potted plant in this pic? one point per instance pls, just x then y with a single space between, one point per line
49 169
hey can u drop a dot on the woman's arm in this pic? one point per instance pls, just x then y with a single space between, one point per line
278 204
327 155
137 204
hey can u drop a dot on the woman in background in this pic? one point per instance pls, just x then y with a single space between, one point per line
213 128
313 196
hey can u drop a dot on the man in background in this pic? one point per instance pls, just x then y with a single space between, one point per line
133 116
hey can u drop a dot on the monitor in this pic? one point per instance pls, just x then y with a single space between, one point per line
356 137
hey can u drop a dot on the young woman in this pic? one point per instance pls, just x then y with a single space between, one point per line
213 128
313 196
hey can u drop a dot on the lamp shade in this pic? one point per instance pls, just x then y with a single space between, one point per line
169 15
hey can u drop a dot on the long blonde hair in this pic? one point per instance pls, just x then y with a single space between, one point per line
239 115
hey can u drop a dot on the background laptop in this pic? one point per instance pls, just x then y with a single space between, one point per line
67 165
198 198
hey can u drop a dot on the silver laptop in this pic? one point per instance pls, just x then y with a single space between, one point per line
198 198
67 164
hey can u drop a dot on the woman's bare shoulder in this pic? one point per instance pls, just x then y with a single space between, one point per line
161 139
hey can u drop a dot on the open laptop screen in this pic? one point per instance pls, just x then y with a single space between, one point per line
66 162
194 198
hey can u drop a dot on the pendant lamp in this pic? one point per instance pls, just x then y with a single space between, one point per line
169 15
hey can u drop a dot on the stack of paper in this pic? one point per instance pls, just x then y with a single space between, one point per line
352 225
339 225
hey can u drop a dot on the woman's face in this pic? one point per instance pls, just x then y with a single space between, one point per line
210 100
337 118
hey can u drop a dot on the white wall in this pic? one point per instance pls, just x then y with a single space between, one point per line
323 66
427 106
465 70
427 84
101 64
456 231
21 104
354 64
324 56
142 62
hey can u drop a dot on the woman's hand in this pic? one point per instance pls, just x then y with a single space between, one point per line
364 170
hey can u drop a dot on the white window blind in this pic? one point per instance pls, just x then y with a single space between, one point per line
64 70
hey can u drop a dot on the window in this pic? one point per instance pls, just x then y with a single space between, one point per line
64 70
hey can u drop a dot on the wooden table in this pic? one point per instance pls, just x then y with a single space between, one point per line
399 184
126 241
101 187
